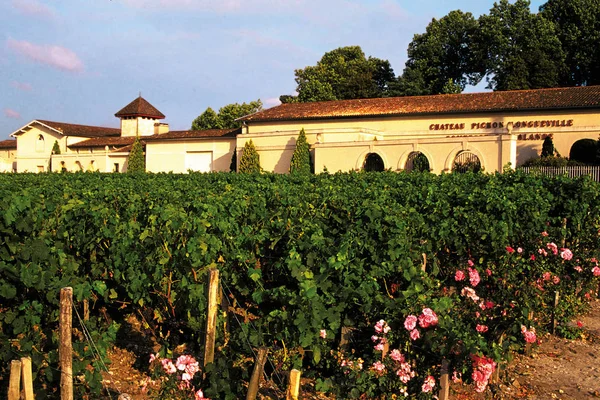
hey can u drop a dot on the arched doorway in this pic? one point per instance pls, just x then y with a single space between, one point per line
584 151
418 162
466 161
373 163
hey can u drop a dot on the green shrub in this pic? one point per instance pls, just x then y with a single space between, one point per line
136 161
301 161
250 160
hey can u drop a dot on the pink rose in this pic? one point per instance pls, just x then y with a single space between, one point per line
481 328
410 322
510 249
378 366
379 346
470 263
578 268
200 396
519 250
544 234
428 384
553 247
323 334
596 271
414 334
566 254
474 277
396 355
459 275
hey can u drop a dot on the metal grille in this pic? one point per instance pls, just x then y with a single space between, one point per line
373 163
417 161
466 161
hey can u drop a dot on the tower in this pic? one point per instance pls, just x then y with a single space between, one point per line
139 118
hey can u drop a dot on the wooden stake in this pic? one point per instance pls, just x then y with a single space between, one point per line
556 298
254 385
26 376
211 317
14 385
346 334
86 310
444 393
424 265
294 385
65 349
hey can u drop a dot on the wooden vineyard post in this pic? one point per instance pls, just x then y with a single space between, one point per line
14 385
345 336
261 359
496 374
294 385
27 378
424 265
86 310
65 349
444 393
211 317
556 299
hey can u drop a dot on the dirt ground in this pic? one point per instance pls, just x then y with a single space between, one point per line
559 369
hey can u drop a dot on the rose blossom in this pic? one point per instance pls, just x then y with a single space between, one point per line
470 263
555 280
543 252
427 318
428 384
199 395
474 277
553 247
414 334
459 276
519 250
481 328
596 271
396 355
470 293
544 233
168 366
529 335
578 268
323 333
379 346
410 322
566 254
374 338
378 366
510 249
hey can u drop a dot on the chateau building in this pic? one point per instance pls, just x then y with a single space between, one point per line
489 129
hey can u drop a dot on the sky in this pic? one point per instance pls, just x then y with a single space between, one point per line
82 61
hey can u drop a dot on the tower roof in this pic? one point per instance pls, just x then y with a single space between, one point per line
140 108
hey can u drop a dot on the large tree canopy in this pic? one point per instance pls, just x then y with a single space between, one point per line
446 52
226 118
343 73
522 48
578 28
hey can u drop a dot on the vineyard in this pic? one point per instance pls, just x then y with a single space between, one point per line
408 272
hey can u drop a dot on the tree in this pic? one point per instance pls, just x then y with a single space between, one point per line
207 120
136 161
548 147
447 51
578 29
451 87
343 73
301 162
250 160
56 148
522 49
226 118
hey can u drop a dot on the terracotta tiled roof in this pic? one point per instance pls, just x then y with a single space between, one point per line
140 108
105 141
542 99
8 144
207 133
121 142
81 130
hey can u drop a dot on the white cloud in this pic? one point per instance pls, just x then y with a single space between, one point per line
10 113
34 8
55 56
271 102
24 86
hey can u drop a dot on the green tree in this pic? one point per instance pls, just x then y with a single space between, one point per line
233 164
578 28
56 148
226 118
548 147
136 161
250 160
451 87
522 49
447 51
207 120
343 73
301 162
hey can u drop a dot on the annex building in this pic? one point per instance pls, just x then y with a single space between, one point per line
491 129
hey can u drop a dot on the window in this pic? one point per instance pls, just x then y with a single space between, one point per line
418 162
40 144
116 167
466 161
373 163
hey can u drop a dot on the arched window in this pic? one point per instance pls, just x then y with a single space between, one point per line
584 151
465 161
40 144
418 162
373 163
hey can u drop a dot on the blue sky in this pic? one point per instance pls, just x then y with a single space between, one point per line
82 61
